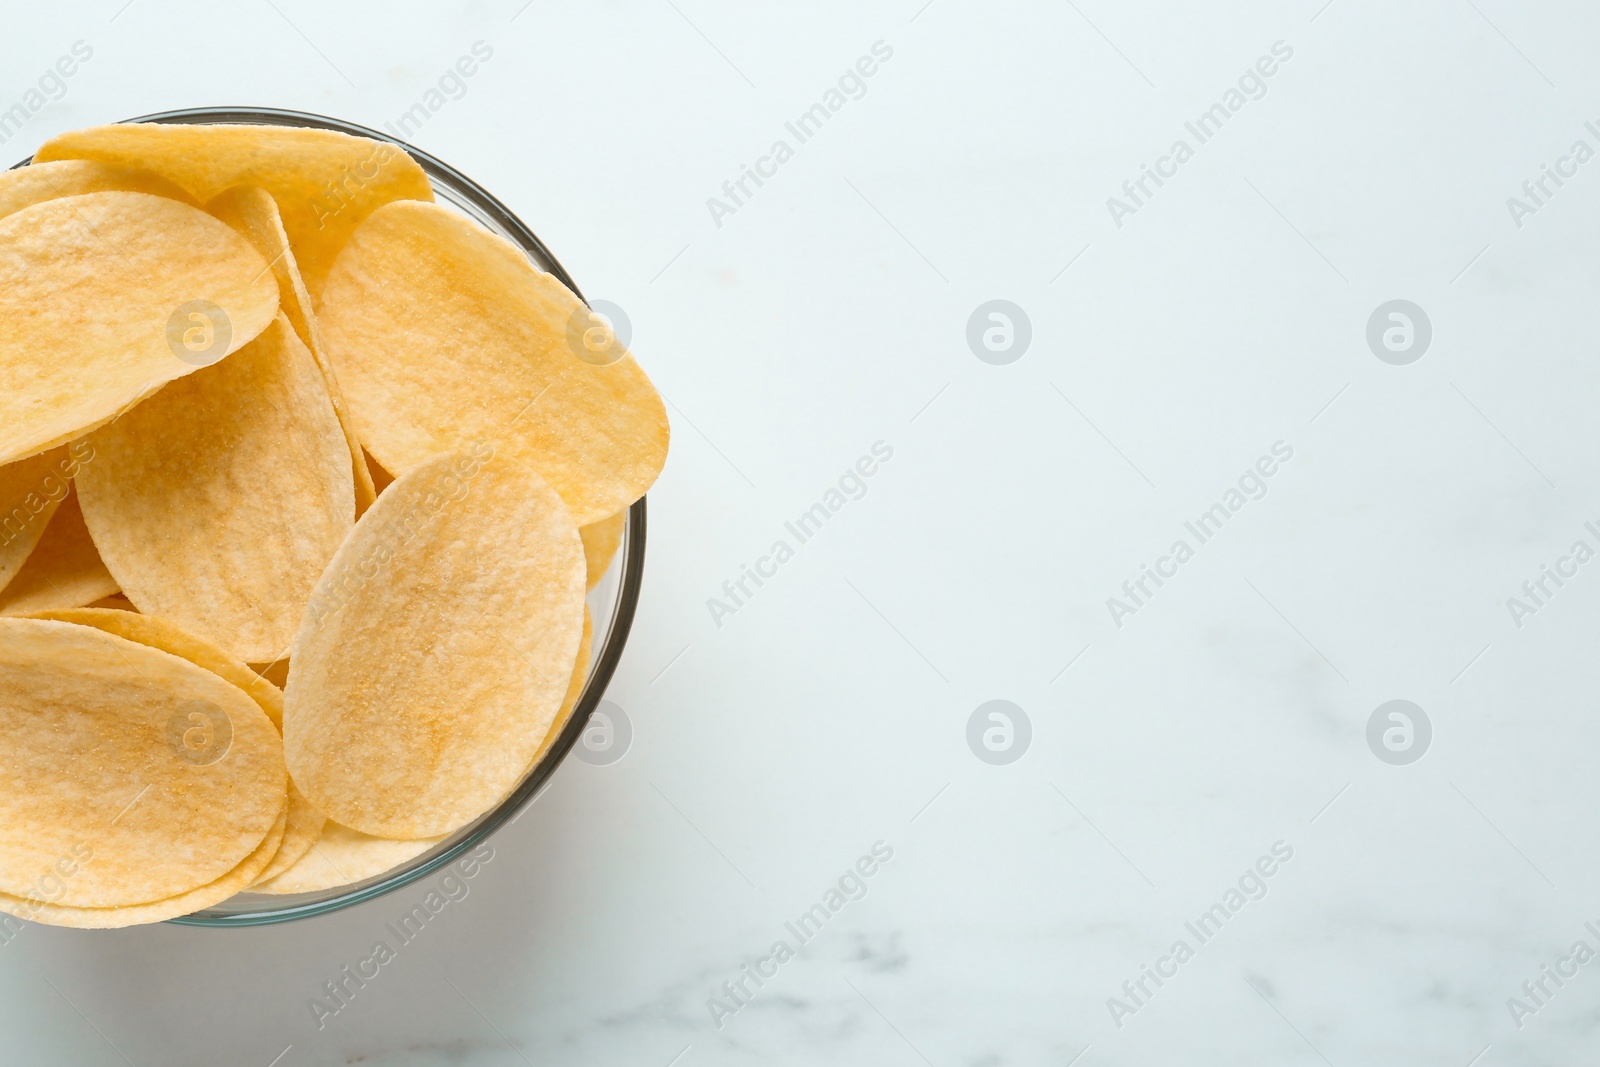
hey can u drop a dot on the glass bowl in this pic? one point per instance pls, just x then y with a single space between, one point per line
611 603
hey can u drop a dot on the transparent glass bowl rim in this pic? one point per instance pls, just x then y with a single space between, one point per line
468 195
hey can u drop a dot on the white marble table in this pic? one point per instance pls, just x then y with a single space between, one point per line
1015 910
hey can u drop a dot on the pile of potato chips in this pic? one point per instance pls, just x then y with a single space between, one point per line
303 481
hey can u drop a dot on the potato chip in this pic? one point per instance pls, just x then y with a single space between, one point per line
304 822
442 334
167 774
170 637
600 542
580 678
157 288
62 571
575 685
296 468
218 502
26 186
437 648
302 830
236 880
343 857
325 182
252 211
30 491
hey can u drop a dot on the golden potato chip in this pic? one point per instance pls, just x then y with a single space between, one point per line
27 186
437 648
580 677
104 298
600 542
199 409
325 183
38 909
169 775
30 491
168 636
251 210
62 571
342 857
443 334
217 502
304 822
302 830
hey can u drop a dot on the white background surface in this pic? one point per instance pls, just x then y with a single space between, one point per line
829 313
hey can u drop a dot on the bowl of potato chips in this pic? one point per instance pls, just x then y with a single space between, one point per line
322 518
